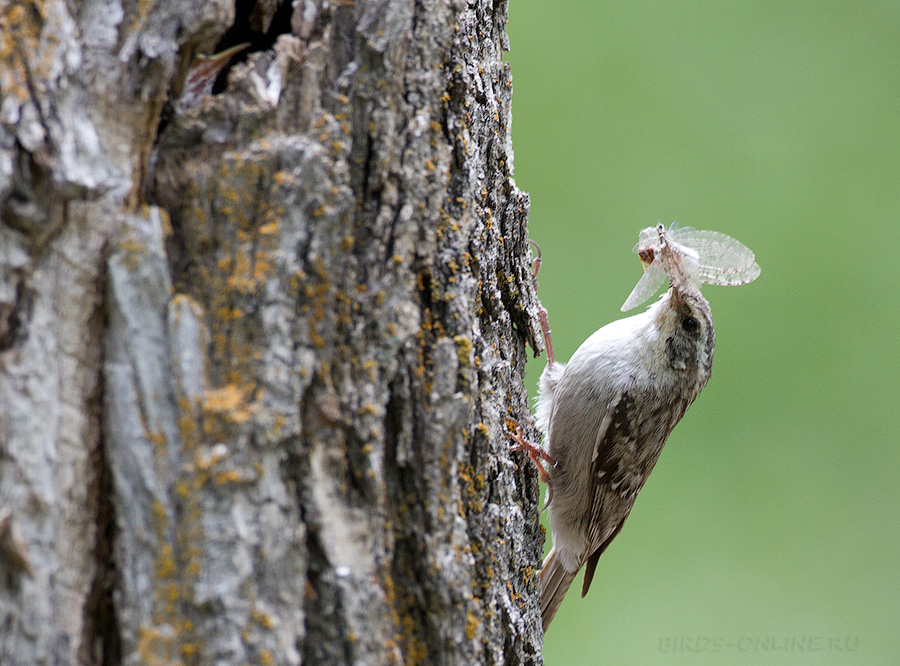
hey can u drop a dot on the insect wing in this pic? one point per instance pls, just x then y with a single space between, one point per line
722 259
646 287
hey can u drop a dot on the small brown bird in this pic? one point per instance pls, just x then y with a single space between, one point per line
607 413
202 75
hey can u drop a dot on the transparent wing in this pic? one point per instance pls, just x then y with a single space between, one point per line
647 286
723 260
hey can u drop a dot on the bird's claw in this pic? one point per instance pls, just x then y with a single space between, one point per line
536 453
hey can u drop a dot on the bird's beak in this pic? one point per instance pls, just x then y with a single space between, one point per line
209 65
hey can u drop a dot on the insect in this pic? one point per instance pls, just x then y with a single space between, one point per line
689 257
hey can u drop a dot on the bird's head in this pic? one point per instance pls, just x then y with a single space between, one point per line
686 324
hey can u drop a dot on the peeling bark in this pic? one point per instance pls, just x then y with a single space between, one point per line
256 355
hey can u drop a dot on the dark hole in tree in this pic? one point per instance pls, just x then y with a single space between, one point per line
247 28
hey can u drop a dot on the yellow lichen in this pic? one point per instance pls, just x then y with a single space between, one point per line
228 401
165 562
472 625
263 619
229 476
463 349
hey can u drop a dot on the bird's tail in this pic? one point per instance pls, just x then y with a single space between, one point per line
555 581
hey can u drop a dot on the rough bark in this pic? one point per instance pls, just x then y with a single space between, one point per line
256 356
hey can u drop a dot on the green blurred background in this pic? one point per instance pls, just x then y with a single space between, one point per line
773 513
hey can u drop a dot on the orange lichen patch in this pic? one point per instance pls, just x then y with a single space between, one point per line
229 401
171 593
472 624
187 424
182 489
156 647
160 519
247 272
190 650
198 213
230 313
192 568
269 229
132 252
20 45
223 399
231 476
261 618
279 423
132 245
528 575
165 563
156 438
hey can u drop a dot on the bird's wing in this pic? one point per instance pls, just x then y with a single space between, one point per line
571 472
627 447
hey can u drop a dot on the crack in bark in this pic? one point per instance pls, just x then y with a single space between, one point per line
102 640
407 577
14 317
324 626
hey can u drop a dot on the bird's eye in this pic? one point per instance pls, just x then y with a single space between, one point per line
690 325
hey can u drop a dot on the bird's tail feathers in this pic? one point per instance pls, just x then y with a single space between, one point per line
555 581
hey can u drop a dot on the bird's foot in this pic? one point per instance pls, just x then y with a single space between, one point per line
537 454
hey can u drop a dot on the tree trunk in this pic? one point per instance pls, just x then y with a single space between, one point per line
256 354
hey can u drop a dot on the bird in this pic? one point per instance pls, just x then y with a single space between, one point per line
201 76
606 415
